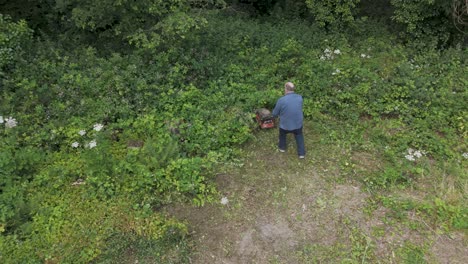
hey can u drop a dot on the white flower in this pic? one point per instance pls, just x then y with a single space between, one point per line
418 154
465 155
92 144
78 182
1 120
414 154
322 57
10 122
75 144
326 50
82 132
337 51
365 56
98 127
224 201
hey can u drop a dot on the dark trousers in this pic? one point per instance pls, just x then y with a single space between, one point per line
297 135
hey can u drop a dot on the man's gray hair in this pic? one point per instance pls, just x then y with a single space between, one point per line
289 86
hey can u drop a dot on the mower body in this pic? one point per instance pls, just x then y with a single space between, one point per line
264 118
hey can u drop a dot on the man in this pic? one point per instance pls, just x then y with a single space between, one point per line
289 110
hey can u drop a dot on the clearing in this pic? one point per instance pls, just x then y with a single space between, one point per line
285 210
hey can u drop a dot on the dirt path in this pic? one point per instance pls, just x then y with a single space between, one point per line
285 210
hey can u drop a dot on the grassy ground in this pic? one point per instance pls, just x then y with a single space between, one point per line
285 210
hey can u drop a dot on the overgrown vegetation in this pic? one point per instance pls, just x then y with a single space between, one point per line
108 116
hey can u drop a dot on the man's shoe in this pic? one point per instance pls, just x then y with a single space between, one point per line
282 150
301 157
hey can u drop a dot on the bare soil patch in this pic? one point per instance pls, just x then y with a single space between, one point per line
285 210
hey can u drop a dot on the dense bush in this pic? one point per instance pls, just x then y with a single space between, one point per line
14 37
93 144
429 21
333 13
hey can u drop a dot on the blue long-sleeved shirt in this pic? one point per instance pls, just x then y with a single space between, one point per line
289 110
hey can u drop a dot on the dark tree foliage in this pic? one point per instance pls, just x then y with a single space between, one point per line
34 12
148 23
261 7
432 21
108 23
376 9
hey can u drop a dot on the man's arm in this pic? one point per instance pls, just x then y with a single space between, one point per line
276 110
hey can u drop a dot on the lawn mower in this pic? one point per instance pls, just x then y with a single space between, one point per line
264 118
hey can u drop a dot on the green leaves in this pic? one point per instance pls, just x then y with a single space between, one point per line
333 13
147 24
13 38
180 100
429 21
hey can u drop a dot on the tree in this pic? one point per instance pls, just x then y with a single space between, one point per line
333 13
144 23
434 21
13 37
460 14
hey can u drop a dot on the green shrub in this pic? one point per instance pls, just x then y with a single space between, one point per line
14 37
427 21
60 221
387 178
169 115
335 14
